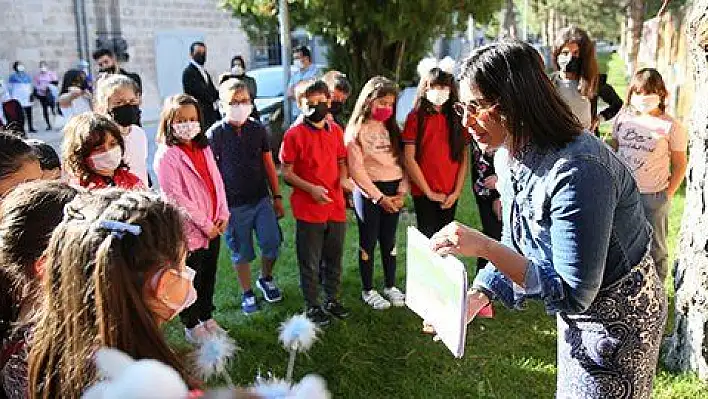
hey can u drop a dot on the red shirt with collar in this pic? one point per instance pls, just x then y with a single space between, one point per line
434 158
196 155
315 155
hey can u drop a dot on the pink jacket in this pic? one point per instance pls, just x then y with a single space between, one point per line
180 182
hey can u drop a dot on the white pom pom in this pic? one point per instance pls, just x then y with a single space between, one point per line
298 333
213 355
447 64
273 388
143 379
425 65
311 387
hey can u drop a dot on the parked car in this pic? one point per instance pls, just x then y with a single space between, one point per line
269 101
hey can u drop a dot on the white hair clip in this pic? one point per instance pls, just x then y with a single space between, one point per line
446 64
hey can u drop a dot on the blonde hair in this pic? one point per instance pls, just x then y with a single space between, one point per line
108 86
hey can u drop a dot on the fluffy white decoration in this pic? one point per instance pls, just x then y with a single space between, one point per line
425 65
311 387
447 64
213 355
127 378
298 333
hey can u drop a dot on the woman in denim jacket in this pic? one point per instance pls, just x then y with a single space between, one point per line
574 231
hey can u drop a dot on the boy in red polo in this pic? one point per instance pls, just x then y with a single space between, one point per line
314 163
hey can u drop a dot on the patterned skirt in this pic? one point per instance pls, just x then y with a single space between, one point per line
611 350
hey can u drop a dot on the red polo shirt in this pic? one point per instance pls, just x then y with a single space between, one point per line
315 155
434 157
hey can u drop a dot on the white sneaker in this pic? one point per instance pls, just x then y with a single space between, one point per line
375 300
395 296
197 334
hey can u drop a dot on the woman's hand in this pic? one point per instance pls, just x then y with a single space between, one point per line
458 239
476 300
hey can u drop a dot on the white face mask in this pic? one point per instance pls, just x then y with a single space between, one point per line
239 113
238 70
109 160
645 104
298 64
20 68
43 69
186 131
438 96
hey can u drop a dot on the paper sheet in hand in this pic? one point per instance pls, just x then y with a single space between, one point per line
436 289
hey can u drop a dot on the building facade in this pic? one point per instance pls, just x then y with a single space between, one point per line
157 33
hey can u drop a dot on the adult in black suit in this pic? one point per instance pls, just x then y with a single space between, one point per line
197 82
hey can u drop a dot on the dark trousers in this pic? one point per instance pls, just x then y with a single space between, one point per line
376 225
204 262
320 245
28 116
491 225
431 217
47 104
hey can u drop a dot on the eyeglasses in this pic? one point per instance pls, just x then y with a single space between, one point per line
472 108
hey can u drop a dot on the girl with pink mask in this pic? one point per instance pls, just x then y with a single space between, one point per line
654 146
375 157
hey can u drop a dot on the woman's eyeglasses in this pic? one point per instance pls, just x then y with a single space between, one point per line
472 108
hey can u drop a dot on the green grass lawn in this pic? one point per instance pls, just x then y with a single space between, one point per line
383 354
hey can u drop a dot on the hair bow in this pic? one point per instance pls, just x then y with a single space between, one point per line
118 229
446 64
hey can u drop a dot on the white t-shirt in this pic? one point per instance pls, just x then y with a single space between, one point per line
581 107
136 152
645 142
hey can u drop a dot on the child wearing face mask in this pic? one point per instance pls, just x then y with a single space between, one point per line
115 273
242 151
188 176
654 146
374 155
74 96
117 97
93 151
435 148
315 163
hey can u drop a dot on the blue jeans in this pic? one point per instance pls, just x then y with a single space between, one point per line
246 219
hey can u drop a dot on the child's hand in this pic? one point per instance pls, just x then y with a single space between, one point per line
399 200
347 185
497 209
215 232
388 204
320 194
450 201
221 225
490 182
278 208
436 197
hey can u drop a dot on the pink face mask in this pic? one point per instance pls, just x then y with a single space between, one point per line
187 275
381 114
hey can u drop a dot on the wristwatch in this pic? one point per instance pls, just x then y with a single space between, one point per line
278 197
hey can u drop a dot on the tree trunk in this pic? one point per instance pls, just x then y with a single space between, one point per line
509 25
636 24
687 348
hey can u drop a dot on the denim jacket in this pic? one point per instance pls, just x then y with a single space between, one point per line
575 213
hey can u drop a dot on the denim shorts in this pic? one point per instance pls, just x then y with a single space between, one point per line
243 222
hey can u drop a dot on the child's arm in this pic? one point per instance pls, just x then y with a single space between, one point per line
319 193
274 184
679 161
355 167
460 182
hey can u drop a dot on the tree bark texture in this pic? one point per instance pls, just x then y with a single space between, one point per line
687 348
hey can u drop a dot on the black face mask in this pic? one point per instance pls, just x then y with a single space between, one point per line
200 58
110 69
321 111
126 115
573 66
336 108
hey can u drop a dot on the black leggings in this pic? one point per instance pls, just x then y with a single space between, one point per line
28 116
376 225
204 262
47 105
491 225
431 217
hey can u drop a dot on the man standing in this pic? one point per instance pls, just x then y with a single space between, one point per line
197 82
107 65
306 70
